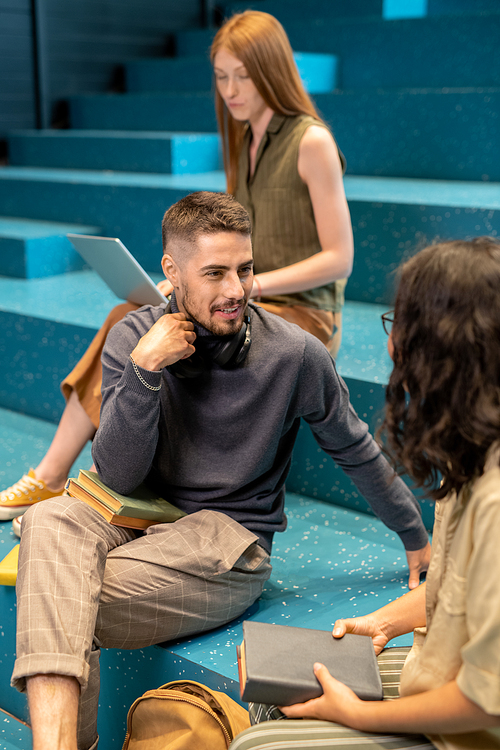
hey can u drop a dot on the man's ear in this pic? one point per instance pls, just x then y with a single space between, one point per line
170 269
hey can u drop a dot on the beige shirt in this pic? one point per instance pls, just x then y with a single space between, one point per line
462 637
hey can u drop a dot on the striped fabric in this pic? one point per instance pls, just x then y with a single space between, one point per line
273 731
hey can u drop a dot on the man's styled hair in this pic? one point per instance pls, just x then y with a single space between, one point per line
203 213
443 397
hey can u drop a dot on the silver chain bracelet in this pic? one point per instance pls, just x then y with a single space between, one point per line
136 369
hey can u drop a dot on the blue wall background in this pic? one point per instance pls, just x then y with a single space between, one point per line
80 44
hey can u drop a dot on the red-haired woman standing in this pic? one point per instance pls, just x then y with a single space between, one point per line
284 166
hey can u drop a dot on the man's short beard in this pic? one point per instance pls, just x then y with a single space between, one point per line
230 329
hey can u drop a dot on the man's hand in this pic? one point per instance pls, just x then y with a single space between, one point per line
338 702
170 339
418 562
367 625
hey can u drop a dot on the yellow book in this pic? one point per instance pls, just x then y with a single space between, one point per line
8 567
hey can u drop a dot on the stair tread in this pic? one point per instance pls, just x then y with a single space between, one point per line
78 298
202 181
82 298
20 228
164 135
413 190
408 190
14 734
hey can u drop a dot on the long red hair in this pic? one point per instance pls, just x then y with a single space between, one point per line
260 42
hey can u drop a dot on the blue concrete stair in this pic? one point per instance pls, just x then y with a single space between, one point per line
152 111
130 205
33 249
414 98
330 562
458 7
14 734
194 73
407 53
439 51
330 12
144 151
389 215
45 327
392 217
451 134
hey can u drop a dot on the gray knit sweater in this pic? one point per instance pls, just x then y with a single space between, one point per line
224 441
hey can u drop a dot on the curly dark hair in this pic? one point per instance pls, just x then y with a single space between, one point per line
443 397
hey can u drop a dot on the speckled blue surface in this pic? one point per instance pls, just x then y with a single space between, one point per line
194 73
144 151
33 249
330 562
46 325
23 442
390 216
437 133
14 735
428 110
155 111
428 52
441 133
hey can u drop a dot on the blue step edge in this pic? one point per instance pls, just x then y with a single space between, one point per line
125 151
31 249
14 733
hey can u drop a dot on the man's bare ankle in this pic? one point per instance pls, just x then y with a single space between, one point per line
53 703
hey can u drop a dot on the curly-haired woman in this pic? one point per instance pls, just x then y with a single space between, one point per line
443 427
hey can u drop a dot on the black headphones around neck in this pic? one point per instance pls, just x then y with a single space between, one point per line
230 353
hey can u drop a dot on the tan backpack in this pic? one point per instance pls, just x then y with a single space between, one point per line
184 715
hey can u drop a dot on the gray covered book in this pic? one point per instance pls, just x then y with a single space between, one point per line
276 663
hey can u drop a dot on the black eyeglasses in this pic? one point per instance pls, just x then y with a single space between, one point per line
387 321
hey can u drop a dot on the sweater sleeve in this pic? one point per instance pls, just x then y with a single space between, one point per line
325 405
125 443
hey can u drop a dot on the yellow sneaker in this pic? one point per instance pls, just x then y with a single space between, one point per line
15 500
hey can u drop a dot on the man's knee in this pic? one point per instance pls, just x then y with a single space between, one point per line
44 512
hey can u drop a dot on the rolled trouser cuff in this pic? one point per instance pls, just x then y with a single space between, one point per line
62 664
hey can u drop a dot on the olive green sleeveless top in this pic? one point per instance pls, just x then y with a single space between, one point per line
283 226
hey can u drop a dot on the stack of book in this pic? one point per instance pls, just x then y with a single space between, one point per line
139 510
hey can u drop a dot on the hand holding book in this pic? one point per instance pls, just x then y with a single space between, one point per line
276 663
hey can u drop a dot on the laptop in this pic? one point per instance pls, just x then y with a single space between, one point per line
118 268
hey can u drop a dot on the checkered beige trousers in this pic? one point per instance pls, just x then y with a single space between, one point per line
84 584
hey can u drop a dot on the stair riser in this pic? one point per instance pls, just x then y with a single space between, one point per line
322 8
174 112
37 258
36 355
435 135
133 214
384 232
379 53
451 135
318 73
175 155
314 474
